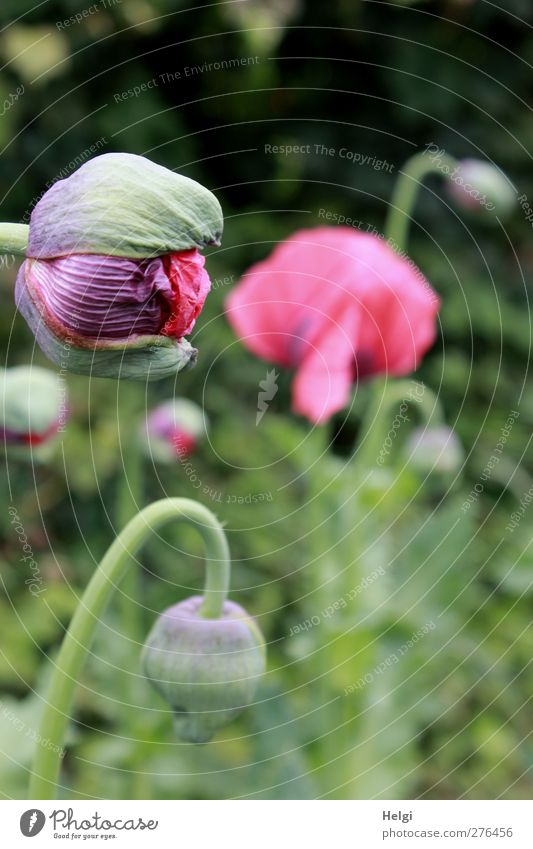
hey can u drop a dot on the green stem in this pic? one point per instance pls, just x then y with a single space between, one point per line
401 206
77 640
129 501
14 238
388 400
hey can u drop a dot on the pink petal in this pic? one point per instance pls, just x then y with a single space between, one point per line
319 391
325 376
190 287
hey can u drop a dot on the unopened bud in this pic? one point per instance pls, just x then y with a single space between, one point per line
477 185
436 449
206 669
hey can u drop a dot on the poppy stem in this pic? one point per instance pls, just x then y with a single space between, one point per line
401 206
385 414
77 641
14 238
129 499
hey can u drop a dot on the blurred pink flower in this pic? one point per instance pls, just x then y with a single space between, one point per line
337 305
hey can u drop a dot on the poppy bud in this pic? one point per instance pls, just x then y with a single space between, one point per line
476 184
435 449
33 405
206 669
172 430
113 279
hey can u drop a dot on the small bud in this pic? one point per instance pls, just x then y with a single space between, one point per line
172 430
436 449
33 405
477 185
206 669
113 279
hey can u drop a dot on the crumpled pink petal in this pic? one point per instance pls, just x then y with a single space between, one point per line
190 286
334 302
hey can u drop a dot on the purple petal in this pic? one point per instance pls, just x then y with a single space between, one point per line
104 296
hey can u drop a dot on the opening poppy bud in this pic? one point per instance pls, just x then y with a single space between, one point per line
436 449
476 185
113 279
172 430
206 669
33 406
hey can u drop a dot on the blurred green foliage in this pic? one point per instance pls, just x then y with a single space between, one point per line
449 719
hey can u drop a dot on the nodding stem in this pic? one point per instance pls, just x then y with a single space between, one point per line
400 213
77 641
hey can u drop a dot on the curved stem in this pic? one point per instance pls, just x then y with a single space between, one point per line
77 640
403 199
390 400
14 238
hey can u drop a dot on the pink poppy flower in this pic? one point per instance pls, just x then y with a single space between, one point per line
337 305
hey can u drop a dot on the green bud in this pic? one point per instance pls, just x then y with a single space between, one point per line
477 185
33 409
206 669
435 450
120 204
